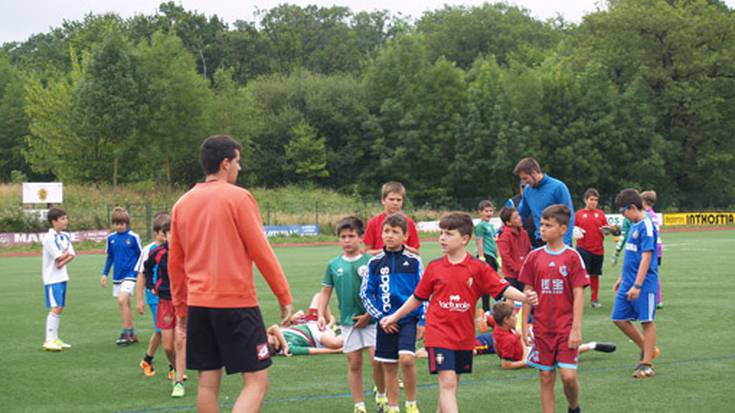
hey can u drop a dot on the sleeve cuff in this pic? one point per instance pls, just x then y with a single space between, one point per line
420 298
500 295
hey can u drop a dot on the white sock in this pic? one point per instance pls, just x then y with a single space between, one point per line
410 403
379 395
592 345
52 326
360 405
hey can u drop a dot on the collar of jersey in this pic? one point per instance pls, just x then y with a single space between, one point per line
550 252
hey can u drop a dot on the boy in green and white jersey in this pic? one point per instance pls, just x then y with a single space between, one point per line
344 274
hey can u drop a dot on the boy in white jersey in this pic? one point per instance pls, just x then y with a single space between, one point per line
57 252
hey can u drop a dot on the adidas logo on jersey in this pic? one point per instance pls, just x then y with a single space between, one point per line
385 288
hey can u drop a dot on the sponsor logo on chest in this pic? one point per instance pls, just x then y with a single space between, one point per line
454 303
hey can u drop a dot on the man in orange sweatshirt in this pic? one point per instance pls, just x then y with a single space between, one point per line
216 235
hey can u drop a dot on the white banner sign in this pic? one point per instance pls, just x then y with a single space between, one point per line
43 193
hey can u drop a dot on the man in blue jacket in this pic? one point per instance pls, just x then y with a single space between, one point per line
541 191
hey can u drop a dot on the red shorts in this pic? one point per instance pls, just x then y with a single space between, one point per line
550 351
165 316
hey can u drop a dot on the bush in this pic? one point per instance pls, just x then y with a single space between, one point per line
17 219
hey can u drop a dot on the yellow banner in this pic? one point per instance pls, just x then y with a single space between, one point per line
699 218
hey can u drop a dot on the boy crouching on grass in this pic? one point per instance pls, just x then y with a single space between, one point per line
557 274
452 285
344 274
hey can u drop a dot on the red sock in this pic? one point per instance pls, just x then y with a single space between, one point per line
595 285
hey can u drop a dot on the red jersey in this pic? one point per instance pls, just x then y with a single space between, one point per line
508 344
553 275
374 233
591 221
454 290
513 246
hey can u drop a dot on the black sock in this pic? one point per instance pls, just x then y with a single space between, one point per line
148 359
575 410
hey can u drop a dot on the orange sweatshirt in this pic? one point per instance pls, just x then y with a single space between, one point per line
216 235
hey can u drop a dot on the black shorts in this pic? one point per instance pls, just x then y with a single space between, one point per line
593 262
441 359
515 283
231 337
491 261
389 347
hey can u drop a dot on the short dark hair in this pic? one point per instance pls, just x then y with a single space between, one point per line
54 214
162 222
392 187
591 192
501 311
506 213
120 216
649 196
628 197
396 220
485 204
559 213
351 223
527 165
461 221
215 149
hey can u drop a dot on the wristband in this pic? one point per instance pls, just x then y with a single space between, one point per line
638 286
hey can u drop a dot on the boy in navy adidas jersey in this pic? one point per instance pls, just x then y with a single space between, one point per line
392 276
557 274
453 283
635 298
123 250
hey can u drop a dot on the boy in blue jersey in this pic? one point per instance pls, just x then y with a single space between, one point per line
123 250
392 277
636 288
151 299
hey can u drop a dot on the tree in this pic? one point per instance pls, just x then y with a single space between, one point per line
13 120
306 153
108 101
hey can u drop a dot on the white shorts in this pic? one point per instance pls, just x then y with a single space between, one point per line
358 338
315 333
126 286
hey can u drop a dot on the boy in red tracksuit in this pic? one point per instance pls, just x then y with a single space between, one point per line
513 246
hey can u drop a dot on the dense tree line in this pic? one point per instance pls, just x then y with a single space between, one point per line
640 93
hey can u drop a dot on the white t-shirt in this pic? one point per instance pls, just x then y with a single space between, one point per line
55 245
140 265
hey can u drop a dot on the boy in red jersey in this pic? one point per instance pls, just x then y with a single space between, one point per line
592 222
557 274
454 283
392 196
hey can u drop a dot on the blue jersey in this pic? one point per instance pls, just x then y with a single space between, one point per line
123 250
392 278
549 191
642 237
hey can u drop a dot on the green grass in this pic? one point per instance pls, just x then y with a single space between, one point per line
695 329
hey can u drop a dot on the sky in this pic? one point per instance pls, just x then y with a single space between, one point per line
21 19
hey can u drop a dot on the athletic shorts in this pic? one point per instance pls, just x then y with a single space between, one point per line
154 310
231 337
643 309
442 359
515 283
388 347
357 339
316 334
592 262
165 316
55 294
550 351
127 286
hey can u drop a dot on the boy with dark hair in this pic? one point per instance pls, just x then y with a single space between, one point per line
392 196
541 191
453 284
155 276
509 345
345 274
392 277
636 287
57 253
214 295
513 246
487 251
557 274
150 297
591 224
123 249
649 201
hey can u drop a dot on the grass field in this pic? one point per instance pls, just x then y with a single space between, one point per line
694 373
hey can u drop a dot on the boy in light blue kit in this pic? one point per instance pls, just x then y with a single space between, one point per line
393 274
636 289
123 250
